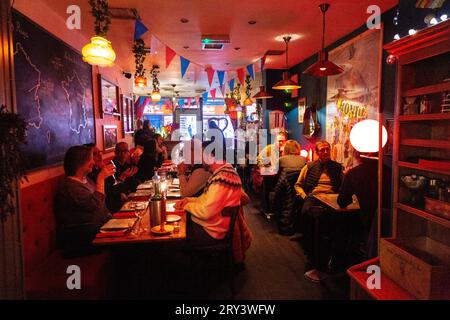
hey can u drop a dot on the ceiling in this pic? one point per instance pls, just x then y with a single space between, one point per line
273 18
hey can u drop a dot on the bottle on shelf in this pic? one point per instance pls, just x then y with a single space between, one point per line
424 105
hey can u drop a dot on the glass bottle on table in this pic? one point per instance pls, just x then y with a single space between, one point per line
155 202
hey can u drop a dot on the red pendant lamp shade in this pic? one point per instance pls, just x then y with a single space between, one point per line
262 94
286 83
323 67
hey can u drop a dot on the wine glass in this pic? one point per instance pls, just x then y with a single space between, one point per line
415 184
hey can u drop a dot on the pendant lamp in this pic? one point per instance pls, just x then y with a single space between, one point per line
323 67
286 83
262 94
99 52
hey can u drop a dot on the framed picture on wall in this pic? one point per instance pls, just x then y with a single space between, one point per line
109 137
128 114
301 109
109 92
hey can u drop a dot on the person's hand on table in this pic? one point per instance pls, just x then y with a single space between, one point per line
179 205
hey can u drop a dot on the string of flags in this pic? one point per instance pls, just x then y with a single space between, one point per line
140 29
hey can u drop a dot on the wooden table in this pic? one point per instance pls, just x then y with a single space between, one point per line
148 236
330 200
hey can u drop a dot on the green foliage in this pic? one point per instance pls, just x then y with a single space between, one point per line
100 12
12 136
139 57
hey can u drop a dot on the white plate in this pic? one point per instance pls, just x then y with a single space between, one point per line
172 218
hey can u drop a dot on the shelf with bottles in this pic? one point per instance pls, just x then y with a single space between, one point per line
427 103
424 192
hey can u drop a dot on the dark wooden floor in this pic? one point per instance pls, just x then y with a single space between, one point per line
274 267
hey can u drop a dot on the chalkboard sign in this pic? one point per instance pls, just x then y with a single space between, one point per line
54 93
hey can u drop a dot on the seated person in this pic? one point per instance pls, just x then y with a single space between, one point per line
269 157
284 201
223 189
193 185
362 181
291 157
148 162
122 161
161 150
79 206
321 176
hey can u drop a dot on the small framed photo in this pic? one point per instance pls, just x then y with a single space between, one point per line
109 92
128 114
301 109
109 137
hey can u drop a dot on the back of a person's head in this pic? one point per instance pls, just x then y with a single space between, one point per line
146 124
75 157
291 147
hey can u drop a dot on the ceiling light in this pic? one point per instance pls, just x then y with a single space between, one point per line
323 67
293 37
252 22
286 83
99 52
237 48
262 94
184 20
443 17
397 37
140 82
156 96
412 32
186 47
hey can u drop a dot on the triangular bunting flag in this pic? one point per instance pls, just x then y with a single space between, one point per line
231 85
139 29
213 94
168 103
189 101
222 89
181 103
205 96
220 75
170 54
251 71
184 65
263 62
196 101
210 71
241 75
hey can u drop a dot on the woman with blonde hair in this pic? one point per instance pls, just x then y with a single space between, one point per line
291 157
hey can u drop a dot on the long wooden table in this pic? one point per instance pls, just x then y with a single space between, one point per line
147 236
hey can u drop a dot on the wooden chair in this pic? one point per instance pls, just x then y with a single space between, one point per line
220 254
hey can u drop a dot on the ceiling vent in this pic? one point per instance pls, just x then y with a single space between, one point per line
214 42
123 13
274 52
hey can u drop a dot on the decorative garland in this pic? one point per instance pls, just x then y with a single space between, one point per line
100 12
13 135
139 57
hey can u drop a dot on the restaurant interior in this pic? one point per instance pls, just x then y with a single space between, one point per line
245 150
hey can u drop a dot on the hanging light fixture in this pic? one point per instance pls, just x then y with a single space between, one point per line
286 83
262 94
156 96
323 67
99 51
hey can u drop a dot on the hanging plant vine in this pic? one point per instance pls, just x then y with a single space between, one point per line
154 73
139 57
12 137
100 12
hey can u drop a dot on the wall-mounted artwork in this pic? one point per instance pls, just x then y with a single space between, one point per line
110 97
54 93
352 95
128 114
109 137
301 109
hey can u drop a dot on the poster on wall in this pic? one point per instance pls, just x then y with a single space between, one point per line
352 95
54 93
